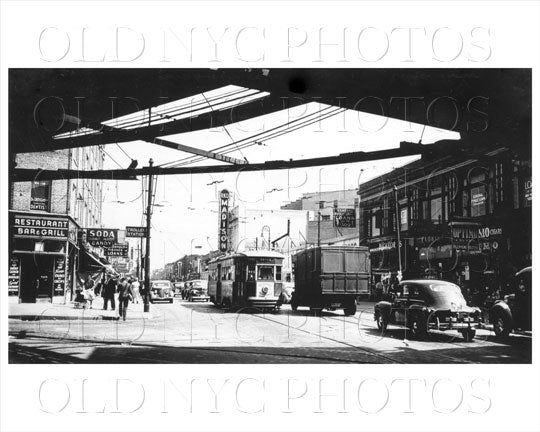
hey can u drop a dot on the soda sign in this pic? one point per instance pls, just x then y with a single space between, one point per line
101 236
223 234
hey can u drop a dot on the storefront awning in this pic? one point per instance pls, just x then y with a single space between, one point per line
89 262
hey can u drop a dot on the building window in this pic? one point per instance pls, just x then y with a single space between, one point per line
478 201
40 195
404 218
376 222
436 210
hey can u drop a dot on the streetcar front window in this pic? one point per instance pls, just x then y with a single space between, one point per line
265 272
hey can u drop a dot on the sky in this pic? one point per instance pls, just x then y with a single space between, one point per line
186 205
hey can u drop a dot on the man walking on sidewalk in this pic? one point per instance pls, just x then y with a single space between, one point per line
125 295
108 293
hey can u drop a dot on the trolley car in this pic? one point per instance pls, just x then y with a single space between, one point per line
246 279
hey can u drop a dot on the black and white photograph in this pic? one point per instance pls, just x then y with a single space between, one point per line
270 216
240 216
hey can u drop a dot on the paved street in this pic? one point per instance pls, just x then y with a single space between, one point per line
186 332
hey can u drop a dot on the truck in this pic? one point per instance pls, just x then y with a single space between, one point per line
331 277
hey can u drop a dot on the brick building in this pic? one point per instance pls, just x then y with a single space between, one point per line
457 218
45 218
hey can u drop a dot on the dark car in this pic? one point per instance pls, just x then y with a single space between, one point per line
515 310
425 304
198 290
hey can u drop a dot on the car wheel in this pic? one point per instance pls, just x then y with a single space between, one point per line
382 323
171 300
468 334
501 326
417 329
317 311
351 310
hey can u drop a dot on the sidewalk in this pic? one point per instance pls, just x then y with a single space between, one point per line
50 311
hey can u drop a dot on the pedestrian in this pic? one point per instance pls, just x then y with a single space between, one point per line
89 294
108 293
135 286
125 295
378 290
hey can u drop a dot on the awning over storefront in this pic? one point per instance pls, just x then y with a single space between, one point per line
88 262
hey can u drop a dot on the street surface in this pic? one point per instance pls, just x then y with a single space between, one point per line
185 332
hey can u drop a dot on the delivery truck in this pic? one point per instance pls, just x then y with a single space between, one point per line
331 277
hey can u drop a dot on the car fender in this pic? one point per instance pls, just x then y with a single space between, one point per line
384 308
502 308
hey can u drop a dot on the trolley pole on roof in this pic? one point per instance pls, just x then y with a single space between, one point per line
147 249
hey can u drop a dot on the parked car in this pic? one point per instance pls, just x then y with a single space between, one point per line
515 310
198 290
161 290
425 304
178 287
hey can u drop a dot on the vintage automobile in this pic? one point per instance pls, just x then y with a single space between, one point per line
515 310
197 290
178 287
426 304
161 290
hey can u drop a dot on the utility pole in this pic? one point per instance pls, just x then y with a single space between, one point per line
321 205
398 230
147 251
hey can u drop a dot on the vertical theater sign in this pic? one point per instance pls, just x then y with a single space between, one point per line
223 234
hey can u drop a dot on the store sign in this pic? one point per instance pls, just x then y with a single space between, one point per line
41 204
39 227
134 231
14 275
117 250
478 198
384 246
404 216
101 236
486 232
59 275
528 190
344 218
223 234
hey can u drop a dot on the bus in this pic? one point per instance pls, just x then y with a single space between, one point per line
246 279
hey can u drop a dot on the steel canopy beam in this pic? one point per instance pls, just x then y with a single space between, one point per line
200 152
405 149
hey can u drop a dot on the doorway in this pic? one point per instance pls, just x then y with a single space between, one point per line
36 278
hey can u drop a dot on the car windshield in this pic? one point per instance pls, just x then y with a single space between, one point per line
160 285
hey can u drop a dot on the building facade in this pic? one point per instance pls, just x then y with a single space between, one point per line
466 220
45 221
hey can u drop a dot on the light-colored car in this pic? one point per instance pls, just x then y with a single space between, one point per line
161 290
178 287
197 290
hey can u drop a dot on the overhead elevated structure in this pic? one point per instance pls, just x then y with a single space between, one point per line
53 109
